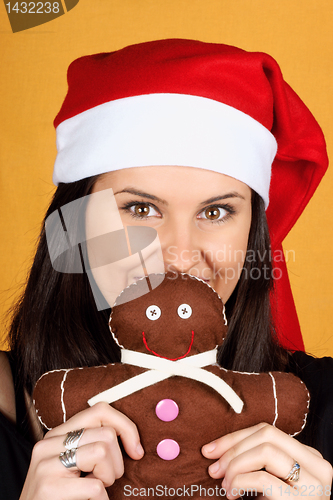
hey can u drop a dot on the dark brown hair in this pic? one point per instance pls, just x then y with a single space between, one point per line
56 323
251 344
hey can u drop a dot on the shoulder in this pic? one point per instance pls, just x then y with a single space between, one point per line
7 393
311 367
316 373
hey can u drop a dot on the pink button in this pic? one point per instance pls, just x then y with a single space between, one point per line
167 410
168 449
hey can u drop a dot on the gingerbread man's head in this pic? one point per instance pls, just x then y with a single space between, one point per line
181 317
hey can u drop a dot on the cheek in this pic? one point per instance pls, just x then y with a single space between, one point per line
111 279
229 250
226 276
229 258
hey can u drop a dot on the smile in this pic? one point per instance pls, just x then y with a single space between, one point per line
160 356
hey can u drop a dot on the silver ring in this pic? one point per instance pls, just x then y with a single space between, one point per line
294 473
72 439
68 458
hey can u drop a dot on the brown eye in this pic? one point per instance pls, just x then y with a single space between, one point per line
212 213
142 209
215 214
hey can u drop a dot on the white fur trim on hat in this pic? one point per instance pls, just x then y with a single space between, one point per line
165 129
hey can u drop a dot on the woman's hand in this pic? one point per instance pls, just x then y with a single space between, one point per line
260 457
98 454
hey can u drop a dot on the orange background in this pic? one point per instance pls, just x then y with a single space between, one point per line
297 33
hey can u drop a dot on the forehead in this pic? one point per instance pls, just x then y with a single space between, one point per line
172 182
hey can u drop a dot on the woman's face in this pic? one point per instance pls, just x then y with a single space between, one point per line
202 218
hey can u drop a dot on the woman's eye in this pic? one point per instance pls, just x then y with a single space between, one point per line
213 214
142 210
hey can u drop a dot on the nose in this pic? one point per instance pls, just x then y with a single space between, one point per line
181 248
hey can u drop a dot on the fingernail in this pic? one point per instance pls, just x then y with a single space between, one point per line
214 467
210 447
139 449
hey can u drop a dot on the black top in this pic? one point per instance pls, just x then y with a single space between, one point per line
15 446
317 374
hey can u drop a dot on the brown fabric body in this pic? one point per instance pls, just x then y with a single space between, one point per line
203 416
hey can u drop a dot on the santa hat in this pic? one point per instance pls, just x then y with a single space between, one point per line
196 104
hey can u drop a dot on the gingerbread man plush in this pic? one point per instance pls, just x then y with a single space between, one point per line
169 384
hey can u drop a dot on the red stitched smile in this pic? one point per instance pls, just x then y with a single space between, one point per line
159 355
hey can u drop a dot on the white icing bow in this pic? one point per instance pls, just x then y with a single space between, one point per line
160 369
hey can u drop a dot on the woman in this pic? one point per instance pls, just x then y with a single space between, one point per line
195 140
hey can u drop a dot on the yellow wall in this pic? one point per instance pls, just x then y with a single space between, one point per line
33 65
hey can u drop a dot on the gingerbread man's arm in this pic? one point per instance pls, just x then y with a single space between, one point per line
60 394
280 399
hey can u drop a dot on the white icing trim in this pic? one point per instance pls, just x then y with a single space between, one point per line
161 369
165 129
41 421
62 387
247 373
305 415
39 418
51 371
275 399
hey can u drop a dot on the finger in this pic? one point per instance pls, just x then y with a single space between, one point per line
103 415
98 451
84 489
266 455
51 479
45 460
106 439
271 486
254 483
216 448
94 457
76 489
97 459
53 446
269 457
238 442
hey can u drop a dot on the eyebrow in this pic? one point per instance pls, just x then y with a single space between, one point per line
233 194
143 195
129 190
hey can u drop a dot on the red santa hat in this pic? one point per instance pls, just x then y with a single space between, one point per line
196 104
